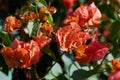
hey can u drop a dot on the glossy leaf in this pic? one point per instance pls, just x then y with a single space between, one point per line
49 17
56 71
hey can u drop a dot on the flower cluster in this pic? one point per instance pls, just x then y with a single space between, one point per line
71 37
74 37
86 15
11 24
23 54
81 36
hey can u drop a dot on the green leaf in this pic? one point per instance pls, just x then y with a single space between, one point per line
40 5
109 11
93 77
60 77
3 65
47 13
35 28
82 74
115 32
29 28
55 72
43 2
49 17
49 52
5 38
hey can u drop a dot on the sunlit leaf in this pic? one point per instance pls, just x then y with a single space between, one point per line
31 28
47 13
49 17
43 2
60 77
35 28
93 77
55 72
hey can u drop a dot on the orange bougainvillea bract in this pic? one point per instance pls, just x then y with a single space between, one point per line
23 54
11 24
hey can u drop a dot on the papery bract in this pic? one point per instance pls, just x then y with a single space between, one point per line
47 28
70 37
42 40
116 64
23 54
95 51
66 36
88 15
8 55
11 24
114 75
28 16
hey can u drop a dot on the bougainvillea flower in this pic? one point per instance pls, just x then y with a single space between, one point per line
28 16
79 53
52 9
42 40
65 36
47 28
116 64
114 75
95 51
21 54
7 53
68 3
88 15
11 24
71 18
70 37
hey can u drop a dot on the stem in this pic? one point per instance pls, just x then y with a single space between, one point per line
76 66
55 62
36 75
102 61
36 7
3 40
2 44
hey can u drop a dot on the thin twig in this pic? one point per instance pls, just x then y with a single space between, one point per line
55 62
